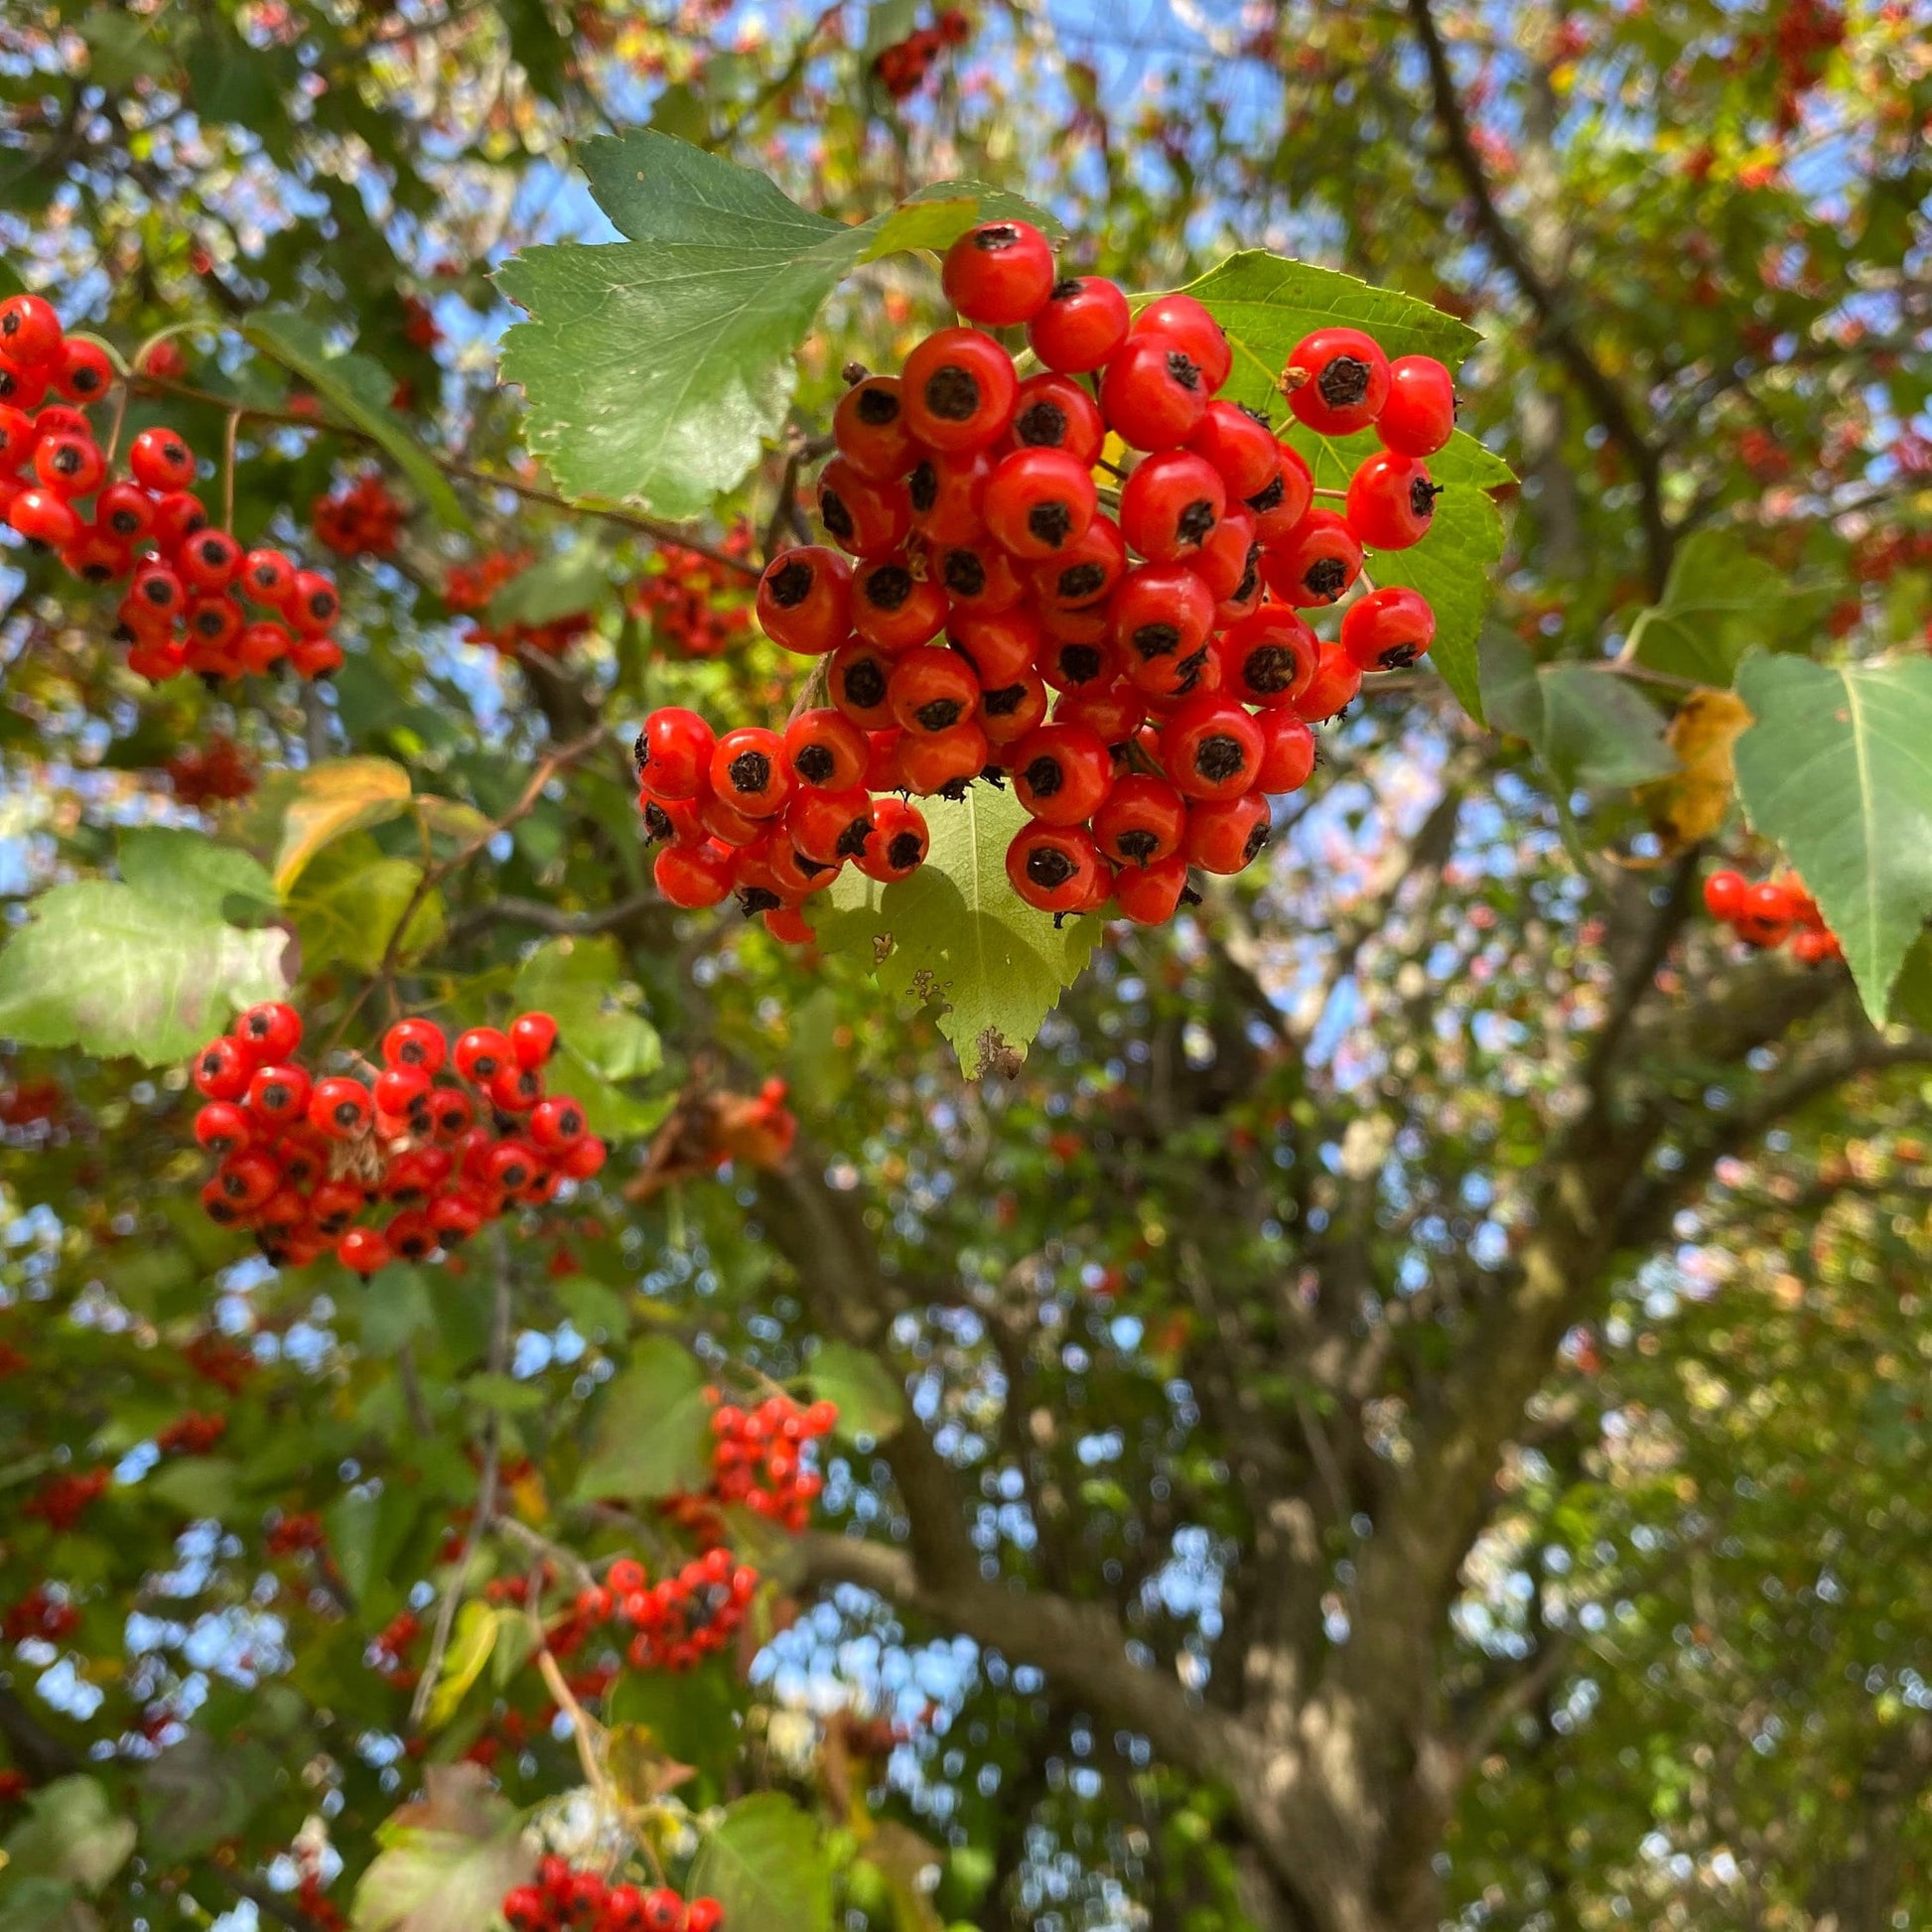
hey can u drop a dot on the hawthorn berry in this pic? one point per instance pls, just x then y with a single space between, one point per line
1336 381
534 1037
1053 412
1150 895
1153 393
1419 417
998 273
1055 868
1170 505
1039 502
927 764
695 876
417 1045
857 679
161 460
673 753
341 1107
1723 897
1388 628
979 577
1142 820
863 517
804 599
868 426
30 332
1210 748
826 750
931 690
893 605
271 1030
1082 575
83 374
1320 559
1010 711
1269 657
1336 680
483 1052
1083 324
1390 501
830 827
958 389
946 492
748 771
1061 774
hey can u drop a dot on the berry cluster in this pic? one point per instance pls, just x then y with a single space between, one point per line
689 598
301 1157
563 1899
758 1459
213 774
359 520
1162 624
62 1499
470 586
293 1533
40 1614
183 610
192 1435
902 68
679 1621
1771 911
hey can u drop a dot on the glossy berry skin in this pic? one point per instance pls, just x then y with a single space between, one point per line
30 332
1239 444
958 388
362 1251
830 827
1072 663
1390 501
750 773
804 599
980 578
314 605
857 680
555 1124
1083 574
417 1044
827 751
223 1128
481 1053
1153 393
863 518
533 1039
1161 616
278 1094
1142 820
1170 505
124 510
1420 414
1210 748
84 375
209 562
1318 562
1011 711
1338 678
1724 897
1339 379
19 432
266 578
178 516
695 876
159 459
1280 505
932 690
1269 659
1150 895
673 753
1111 714
160 592
1061 774
1055 868
341 1108
221 1071
1186 322
43 517
1225 835
1229 564
869 427
899 842
1039 503
1083 323
1388 628
269 1031
998 648
998 273
929 763
1053 412
1286 752
69 464
946 492
894 609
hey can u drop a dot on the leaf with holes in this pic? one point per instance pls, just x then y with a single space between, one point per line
1267 305
1837 768
656 368
956 932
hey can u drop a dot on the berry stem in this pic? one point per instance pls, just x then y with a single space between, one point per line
231 432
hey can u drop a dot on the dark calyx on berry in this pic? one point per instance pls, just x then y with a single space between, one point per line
1219 758
1050 523
1049 865
1259 837
658 822
1082 663
952 394
876 406
1268 497
1137 846
790 584
750 773
1041 425
864 684
1344 383
833 513
905 848
1326 577
996 237
938 714
814 764
1044 776
1004 702
1156 640
853 839
963 573
1422 497
1081 580
1196 522
1183 368
1269 667
922 485
753 899
889 587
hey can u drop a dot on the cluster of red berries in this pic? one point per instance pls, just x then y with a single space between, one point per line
301 1157
213 774
227 1364
758 1459
1165 628
192 1435
40 1614
294 1532
61 1500
359 520
692 601
184 609
563 1899
470 587
902 68
1768 914
679 1621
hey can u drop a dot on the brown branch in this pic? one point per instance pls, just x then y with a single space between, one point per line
550 918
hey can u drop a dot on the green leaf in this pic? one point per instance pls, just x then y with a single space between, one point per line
193 871
580 983
765 1866
356 390
558 586
366 1534
200 1486
347 900
655 369
1911 995
957 930
118 971
474 1638
198 1792
870 1398
1838 770
1512 699
1267 305
653 1435
44 1905
1600 733
445 1864
1720 602
330 801
69 1834
692 1717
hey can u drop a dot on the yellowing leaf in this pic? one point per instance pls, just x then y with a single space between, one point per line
1691 804
328 801
463 1664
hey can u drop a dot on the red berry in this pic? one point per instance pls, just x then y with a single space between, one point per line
1153 393
1000 647
160 460
278 1093
931 689
857 680
400 1090
1279 504
1225 834
214 622
673 753
1150 895
1420 414
69 464
84 375
555 1124
583 1157
1318 560
1011 711
1229 564
246 1179
1039 502
415 1044
748 772
23 388
1169 505
894 607
222 1069
695 876
1082 575
946 493
1161 616
95 557
209 562
958 389
998 273
1339 380
1723 897
869 427
222 1128
1390 501
1338 678
267 577
898 846
827 751
1111 714
830 827
1053 412
480 1055
1055 868
271 1030
1270 658
313 604
1188 324
125 510
30 332
315 657
534 1037
44 518
362 1251
19 432
929 763
1142 820
979 577
1210 748
1061 774
1240 445
1084 322
340 1107
178 516
1388 628
866 519
514 1089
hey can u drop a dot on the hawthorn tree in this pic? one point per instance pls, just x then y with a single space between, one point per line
1391 1402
